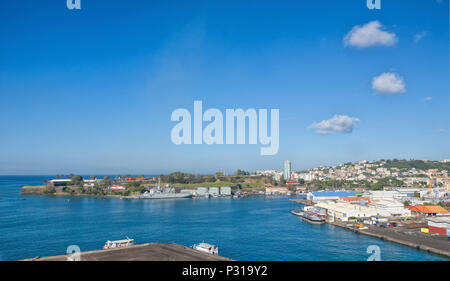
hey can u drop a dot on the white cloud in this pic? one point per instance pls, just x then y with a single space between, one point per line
338 123
419 36
368 35
388 83
427 99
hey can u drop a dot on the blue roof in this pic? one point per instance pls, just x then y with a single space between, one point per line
333 193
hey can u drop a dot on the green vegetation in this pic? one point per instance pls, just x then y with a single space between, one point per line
76 180
121 193
177 180
240 172
49 189
417 164
390 181
186 180
134 187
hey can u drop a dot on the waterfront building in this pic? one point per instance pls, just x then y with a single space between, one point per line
328 195
439 225
343 211
188 191
213 190
386 194
394 207
201 191
60 182
287 170
428 210
89 183
225 191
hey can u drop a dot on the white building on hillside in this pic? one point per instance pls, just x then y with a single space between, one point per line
213 191
225 191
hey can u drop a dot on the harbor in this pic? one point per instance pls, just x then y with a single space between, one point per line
380 215
46 225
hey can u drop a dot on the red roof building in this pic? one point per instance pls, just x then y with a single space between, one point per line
428 210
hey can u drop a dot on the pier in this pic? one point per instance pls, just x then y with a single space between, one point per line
141 252
409 237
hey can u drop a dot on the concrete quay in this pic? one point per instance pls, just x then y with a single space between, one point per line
141 252
409 237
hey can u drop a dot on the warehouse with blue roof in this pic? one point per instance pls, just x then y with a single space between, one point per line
328 195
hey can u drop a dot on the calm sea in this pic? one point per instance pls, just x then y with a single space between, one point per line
255 228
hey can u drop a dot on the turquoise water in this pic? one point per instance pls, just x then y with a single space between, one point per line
254 228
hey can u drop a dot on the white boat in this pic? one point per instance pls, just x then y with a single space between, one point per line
118 243
206 248
309 214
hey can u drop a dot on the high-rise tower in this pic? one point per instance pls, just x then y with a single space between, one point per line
287 170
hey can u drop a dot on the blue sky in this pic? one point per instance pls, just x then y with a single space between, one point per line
92 90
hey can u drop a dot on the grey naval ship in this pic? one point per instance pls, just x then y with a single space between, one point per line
162 193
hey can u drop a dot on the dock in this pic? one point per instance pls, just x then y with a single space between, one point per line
412 238
141 252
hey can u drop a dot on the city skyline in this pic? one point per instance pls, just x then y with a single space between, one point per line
90 96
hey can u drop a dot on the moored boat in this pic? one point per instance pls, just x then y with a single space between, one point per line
162 193
207 248
309 216
118 243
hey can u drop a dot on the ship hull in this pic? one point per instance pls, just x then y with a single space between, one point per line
166 196
310 218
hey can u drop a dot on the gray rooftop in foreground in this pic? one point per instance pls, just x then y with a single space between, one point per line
142 252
